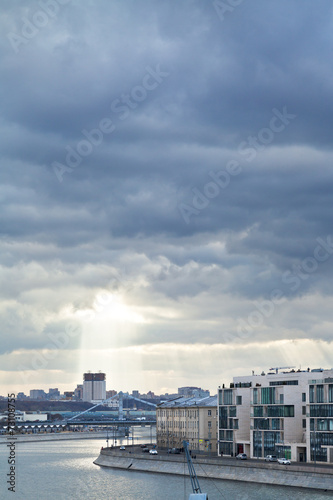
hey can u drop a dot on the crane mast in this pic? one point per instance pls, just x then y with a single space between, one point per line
197 493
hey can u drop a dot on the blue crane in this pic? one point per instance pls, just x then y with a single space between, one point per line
197 493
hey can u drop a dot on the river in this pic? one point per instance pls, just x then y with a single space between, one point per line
64 470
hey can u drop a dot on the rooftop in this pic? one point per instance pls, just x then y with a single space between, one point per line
182 402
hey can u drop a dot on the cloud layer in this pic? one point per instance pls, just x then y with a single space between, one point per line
166 191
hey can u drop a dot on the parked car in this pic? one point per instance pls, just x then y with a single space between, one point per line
175 451
284 461
145 449
153 452
241 456
122 448
271 458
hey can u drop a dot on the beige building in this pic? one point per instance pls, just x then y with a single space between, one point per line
285 414
319 417
191 419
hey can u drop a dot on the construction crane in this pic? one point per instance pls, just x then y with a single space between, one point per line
281 368
197 494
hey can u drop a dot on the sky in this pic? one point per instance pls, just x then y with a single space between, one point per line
166 191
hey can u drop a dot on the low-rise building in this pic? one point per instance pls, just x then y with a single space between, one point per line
191 419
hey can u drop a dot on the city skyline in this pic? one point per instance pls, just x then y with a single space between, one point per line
166 191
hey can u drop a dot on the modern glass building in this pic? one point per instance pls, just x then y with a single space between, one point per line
288 414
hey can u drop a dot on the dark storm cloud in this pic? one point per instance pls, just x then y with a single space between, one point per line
118 212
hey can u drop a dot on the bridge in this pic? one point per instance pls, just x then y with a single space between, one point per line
120 395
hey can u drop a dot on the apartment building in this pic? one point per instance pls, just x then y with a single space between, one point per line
286 414
94 387
188 418
319 417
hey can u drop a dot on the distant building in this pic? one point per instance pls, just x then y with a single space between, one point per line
37 394
21 396
135 394
110 394
78 392
53 393
69 395
191 419
196 392
24 416
94 387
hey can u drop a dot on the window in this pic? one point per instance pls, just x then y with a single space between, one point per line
267 395
258 411
303 397
289 411
228 396
229 435
330 393
255 396
320 393
209 413
281 399
239 400
303 410
311 393
209 423
285 382
304 423
236 424
232 411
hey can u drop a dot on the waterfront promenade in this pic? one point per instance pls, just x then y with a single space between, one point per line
301 476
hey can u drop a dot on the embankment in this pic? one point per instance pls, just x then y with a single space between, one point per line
61 436
319 478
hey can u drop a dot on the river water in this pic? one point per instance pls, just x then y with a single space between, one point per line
64 470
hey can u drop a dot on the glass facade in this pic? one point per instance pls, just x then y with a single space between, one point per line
258 411
320 393
321 411
223 417
267 395
255 396
283 451
261 423
226 448
311 393
232 411
270 440
257 444
227 397
317 439
330 393
285 382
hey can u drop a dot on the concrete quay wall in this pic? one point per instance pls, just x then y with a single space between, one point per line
214 469
61 436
